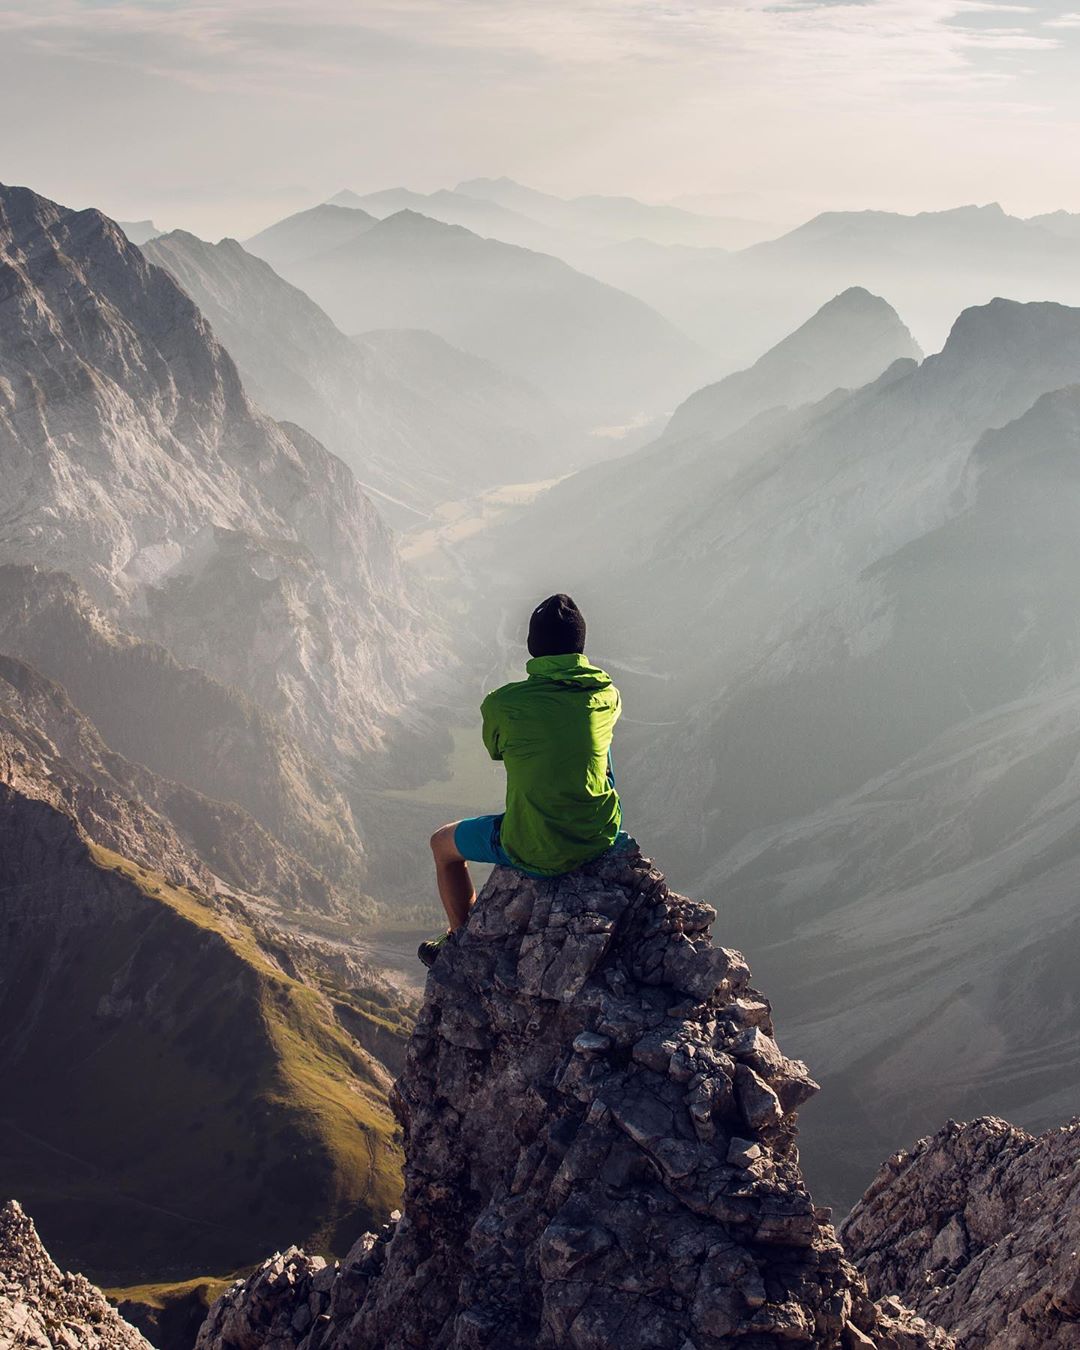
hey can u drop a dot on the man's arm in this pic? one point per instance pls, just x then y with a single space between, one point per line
492 740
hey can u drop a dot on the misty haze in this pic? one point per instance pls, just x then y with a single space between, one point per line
539 676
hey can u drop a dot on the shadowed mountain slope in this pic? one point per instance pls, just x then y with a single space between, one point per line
171 1095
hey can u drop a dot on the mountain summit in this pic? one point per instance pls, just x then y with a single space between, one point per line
600 1145
846 344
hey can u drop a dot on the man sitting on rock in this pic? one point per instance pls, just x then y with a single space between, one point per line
553 733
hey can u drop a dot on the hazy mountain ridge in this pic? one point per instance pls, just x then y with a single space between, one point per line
931 265
307 234
968 688
417 421
614 217
848 343
585 344
189 838
147 474
190 729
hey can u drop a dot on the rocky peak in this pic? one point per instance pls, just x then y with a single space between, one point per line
600 1150
849 342
42 1308
978 1227
1017 336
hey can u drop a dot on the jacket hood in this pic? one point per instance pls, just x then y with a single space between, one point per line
573 668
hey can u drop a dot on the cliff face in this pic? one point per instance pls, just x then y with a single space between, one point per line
600 1150
133 460
41 1307
194 731
978 1227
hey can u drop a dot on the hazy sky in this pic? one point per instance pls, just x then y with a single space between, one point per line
223 115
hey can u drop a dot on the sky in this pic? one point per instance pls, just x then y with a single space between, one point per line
222 116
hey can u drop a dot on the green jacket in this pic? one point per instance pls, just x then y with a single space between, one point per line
553 732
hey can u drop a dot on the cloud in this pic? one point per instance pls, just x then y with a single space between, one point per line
647 96
928 43
1068 20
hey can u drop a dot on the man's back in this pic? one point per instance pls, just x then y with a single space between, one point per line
553 732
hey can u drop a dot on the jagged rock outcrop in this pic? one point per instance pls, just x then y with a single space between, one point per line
42 1308
978 1227
600 1144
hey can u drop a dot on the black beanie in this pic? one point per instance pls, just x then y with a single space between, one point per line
556 627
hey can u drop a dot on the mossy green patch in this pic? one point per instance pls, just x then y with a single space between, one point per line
173 1099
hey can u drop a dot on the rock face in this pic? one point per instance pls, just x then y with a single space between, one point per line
978 1228
600 1145
191 729
133 460
41 1308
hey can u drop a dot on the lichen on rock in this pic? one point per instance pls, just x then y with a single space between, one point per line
600 1152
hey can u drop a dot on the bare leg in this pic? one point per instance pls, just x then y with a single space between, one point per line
456 889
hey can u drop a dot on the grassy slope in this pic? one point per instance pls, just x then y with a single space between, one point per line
219 1114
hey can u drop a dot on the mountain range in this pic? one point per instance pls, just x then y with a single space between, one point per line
147 474
500 208
932 265
418 421
597 352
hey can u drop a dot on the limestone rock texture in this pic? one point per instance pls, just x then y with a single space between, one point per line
42 1308
978 1227
600 1151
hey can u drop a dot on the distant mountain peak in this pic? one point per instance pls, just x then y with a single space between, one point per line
1023 329
847 343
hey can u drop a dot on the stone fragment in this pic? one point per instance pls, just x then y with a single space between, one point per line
591 1043
743 1152
758 1103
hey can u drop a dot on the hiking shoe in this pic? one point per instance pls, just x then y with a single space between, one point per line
428 952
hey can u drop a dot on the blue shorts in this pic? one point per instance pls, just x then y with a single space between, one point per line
477 840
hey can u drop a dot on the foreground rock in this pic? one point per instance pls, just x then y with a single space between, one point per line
600 1143
978 1228
41 1308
